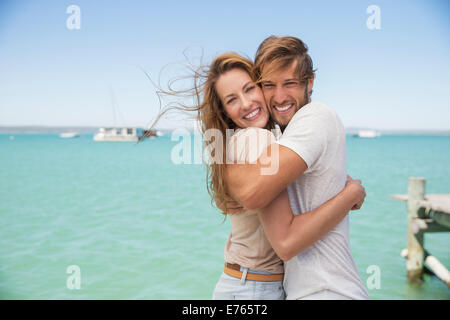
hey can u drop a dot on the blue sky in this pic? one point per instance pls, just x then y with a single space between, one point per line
397 77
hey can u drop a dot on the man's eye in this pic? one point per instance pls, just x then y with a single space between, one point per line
291 83
267 85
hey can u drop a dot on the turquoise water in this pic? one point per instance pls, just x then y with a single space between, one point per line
140 227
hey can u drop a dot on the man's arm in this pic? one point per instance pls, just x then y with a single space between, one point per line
289 235
255 190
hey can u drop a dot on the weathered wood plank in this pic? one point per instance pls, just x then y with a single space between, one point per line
441 218
435 202
400 197
428 225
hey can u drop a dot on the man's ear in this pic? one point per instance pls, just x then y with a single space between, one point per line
311 83
310 88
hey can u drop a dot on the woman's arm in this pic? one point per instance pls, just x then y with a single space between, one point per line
289 235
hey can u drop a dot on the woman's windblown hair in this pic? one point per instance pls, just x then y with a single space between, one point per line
211 114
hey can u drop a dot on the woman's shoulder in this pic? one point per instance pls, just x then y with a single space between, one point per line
252 133
246 145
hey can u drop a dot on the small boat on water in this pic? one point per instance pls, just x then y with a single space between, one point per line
367 134
124 134
69 135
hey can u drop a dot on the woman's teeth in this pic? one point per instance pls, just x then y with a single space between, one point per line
252 114
284 108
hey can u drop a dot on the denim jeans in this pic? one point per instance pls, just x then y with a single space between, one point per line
230 288
325 295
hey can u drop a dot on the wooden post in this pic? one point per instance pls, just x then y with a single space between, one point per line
414 263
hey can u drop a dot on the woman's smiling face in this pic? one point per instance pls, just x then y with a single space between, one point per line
242 99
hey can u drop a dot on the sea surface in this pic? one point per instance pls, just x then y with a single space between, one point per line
86 220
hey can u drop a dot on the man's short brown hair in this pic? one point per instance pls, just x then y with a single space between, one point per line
280 52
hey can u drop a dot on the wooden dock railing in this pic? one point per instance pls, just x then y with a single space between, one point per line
426 213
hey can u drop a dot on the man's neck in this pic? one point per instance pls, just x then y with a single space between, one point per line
304 104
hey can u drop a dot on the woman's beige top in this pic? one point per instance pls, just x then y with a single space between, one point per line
247 244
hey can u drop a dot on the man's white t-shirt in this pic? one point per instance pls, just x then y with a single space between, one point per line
317 135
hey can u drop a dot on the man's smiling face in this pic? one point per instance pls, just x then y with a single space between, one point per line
284 93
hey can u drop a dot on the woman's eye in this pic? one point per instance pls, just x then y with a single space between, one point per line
231 100
250 88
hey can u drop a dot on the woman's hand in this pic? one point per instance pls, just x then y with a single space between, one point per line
355 187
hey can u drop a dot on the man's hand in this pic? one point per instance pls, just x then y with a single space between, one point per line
355 186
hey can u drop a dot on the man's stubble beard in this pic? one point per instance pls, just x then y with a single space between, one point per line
306 100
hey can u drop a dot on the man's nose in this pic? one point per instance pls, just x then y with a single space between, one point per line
279 96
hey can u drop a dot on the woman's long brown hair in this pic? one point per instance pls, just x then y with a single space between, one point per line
212 115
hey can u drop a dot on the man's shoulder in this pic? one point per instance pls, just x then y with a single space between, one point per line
316 108
313 111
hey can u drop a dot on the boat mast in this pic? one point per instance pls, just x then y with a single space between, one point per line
116 109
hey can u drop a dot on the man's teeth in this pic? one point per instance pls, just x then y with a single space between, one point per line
283 108
252 114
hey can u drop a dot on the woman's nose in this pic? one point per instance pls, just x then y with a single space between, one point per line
246 103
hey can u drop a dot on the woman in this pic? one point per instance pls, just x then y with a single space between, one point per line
228 98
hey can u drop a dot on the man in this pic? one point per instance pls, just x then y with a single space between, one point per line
311 165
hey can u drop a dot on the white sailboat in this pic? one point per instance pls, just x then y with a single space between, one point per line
124 134
119 133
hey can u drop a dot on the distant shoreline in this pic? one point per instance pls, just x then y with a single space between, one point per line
92 130
55 129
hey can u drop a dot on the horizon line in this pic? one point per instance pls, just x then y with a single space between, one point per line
348 128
